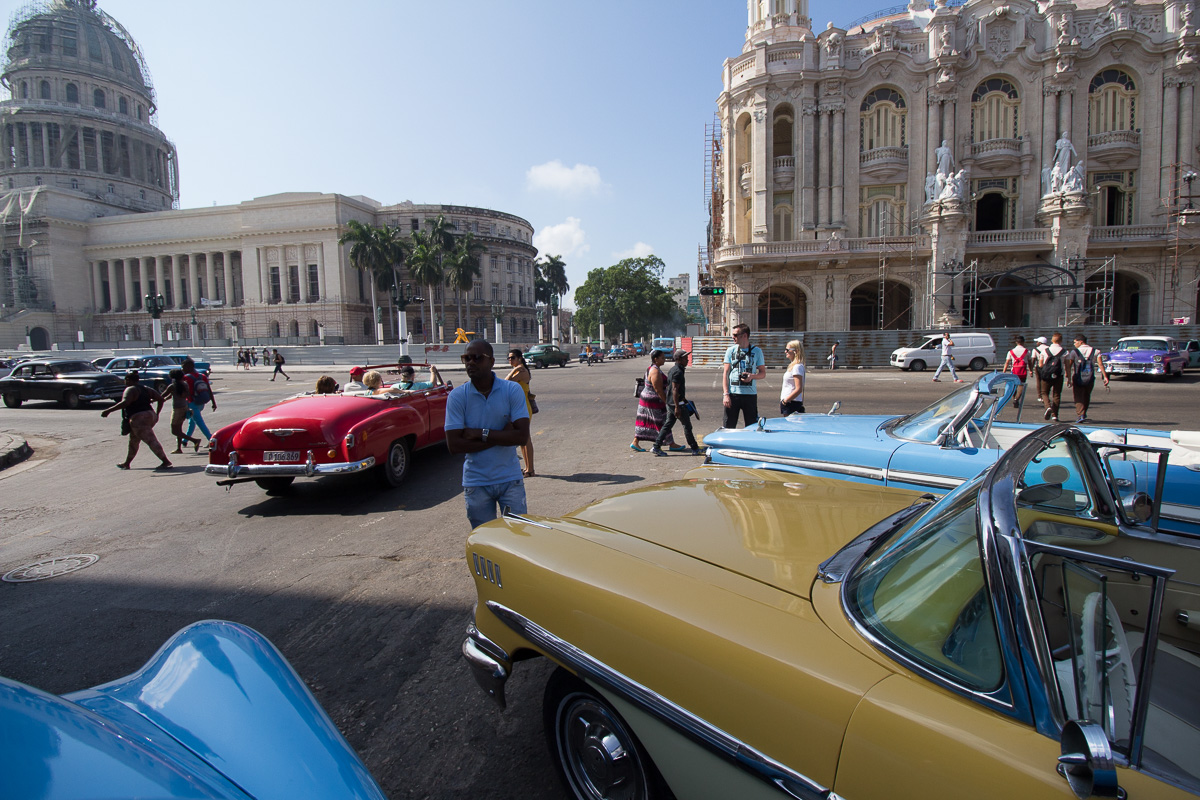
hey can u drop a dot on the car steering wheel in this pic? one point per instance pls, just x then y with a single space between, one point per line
1106 664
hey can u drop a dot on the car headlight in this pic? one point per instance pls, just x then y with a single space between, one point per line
1157 359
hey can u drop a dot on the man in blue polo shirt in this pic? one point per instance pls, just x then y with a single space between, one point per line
486 419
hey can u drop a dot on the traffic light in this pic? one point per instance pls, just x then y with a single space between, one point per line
712 290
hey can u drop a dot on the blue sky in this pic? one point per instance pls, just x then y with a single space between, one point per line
587 119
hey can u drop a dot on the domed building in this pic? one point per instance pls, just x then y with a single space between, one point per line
92 227
989 163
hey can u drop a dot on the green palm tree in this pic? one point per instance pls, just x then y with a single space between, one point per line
423 267
463 268
366 255
441 239
393 248
553 273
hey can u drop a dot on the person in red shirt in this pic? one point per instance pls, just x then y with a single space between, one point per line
200 394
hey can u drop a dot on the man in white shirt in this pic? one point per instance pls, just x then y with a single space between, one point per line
1083 365
947 358
355 383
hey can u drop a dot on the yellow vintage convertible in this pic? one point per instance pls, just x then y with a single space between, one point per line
754 634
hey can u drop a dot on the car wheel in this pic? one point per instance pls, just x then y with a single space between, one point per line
275 485
917 366
71 400
594 751
562 363
395 466
12 400
978 364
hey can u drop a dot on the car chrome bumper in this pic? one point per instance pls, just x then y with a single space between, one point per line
489 663
1134 369
308 469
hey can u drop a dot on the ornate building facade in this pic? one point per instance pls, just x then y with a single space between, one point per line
986 163
91 223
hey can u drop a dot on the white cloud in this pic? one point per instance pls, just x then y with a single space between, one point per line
566 239
554 176
639 250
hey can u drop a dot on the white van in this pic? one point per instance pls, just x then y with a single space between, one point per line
971 351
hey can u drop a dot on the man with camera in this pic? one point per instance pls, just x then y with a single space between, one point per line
744 364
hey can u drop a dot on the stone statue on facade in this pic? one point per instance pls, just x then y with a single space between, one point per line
1063 151
931 187
954 187
1074 181
945 158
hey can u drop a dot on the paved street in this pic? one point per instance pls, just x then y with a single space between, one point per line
365 591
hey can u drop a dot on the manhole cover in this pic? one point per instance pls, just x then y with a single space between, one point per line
49 568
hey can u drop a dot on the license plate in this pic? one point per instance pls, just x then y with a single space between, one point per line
281 455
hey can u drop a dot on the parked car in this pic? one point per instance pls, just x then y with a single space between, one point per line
310 435
216 713
101 362
616 351
71 383
971 351
203 367
591 356
153 371
782 638
1146 355
938 447
546 355
1192 348
630 351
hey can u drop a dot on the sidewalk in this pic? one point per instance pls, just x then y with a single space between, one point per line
13 450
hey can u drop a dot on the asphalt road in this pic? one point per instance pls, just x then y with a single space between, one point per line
365 591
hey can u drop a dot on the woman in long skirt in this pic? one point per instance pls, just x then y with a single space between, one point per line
652 405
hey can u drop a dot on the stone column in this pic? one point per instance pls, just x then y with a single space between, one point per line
227 258
252 275
193 283
825 163
1170 133
1049 134
762 173
176 294
808 148
79 146
1187 134
948 129
99 149
321 283
129 296
1066 116
210 275
45 143
933 133
97 286
838 167
159 283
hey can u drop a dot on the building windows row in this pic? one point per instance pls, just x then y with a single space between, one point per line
45 91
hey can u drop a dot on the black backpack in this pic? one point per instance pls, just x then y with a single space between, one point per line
1052 369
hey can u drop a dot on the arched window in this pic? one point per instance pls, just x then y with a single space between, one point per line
118 65
314 328
783 216
98 98
293 328
275 329
781 133
994 110
1113 194
72 93
1112 102
44 90
141 112
123 105
882 210
743 166
883 116
366 327
24 90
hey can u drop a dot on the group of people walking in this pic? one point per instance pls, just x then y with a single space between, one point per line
189 392
248 357
1055 365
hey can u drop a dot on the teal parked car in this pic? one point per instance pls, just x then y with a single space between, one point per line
546 355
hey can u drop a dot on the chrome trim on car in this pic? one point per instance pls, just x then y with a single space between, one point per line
924 479
805 463
283 431
308 469
487 569
698 730
512 515
488 662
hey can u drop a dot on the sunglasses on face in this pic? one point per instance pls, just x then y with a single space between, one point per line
468 358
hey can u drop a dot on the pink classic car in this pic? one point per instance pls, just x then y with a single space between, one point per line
329 434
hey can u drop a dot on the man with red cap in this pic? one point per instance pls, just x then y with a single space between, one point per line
356 384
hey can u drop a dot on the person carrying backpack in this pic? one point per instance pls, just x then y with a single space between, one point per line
1050 369
279 360
1017 362
200 393
1084 366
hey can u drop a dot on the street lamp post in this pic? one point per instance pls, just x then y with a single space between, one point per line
541 318
401 297
195 334
155 304
600 314
1188 177
497 314
441 332
554 321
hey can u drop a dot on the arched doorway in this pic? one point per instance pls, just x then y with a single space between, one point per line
897 307
782 308
1127 299
1001 306
991 212
39 338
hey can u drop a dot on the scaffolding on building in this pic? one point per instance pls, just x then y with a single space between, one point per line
941 281
890 248
1099 299
1179 179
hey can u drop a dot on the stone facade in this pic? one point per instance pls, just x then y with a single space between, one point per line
91 224
988 163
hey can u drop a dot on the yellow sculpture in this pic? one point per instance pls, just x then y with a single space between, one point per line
462 337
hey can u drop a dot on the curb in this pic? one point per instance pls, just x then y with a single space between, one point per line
15 455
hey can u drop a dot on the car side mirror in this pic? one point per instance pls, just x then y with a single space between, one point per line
1087 761
834 409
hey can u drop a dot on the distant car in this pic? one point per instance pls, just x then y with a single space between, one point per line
616 351
202 367
329 434
639 348
972 351
101 362
546 355
217 713
1192 348
589 357
630 351
1146 355
71 383
153 371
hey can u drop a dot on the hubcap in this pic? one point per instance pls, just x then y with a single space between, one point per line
597 752
396 461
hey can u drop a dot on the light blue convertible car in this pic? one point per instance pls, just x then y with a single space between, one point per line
951 441
216 713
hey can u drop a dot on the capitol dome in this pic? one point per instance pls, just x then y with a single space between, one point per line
81 109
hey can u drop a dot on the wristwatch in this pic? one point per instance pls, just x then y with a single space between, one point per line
485 434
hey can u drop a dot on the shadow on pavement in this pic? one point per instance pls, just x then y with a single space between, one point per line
605 478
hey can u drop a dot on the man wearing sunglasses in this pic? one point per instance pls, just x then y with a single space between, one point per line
487 420
744 364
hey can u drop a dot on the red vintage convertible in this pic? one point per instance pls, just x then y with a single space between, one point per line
330 434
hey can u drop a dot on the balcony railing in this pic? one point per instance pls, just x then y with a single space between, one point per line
871 244
1021 236
996 147
878 155
1127 233
1110 138
785 162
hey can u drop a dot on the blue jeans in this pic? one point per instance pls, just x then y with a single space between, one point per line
482 501
198 419
946 362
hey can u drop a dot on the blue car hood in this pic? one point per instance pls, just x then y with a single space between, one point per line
778 435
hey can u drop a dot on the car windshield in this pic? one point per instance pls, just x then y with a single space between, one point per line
1134 345
924 594
157 361
922 342
73 366
926 424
